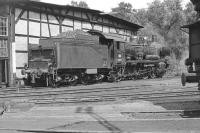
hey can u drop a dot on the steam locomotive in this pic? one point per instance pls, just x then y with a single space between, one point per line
86 57
193 62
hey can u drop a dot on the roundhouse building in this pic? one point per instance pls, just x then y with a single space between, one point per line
24 22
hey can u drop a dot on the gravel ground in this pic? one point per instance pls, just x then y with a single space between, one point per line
108 116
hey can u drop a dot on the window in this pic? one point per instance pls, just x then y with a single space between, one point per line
3 48
3 26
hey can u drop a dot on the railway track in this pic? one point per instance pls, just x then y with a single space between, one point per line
127 89
99 95
73 91
142 90
113 97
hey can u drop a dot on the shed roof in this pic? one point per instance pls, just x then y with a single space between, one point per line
196 24
107 35
43 4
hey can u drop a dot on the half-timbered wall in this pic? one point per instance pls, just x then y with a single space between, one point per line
30 26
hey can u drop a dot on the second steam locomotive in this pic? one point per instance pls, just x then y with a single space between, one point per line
86 57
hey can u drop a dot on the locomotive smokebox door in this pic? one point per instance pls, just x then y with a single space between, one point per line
193 61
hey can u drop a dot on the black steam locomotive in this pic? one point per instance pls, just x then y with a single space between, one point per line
193 62
87 57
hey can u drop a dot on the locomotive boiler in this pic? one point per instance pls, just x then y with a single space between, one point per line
87 57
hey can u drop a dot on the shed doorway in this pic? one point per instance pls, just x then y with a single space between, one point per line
3 72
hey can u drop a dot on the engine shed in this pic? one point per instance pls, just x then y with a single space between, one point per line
193 61
24 22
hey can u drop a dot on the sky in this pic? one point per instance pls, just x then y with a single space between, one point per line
106 5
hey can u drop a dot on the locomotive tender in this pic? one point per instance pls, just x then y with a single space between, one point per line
193 62
84 57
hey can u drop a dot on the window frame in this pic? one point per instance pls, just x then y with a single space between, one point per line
3 26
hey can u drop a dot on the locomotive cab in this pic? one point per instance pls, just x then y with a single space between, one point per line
193 61
119 53
115 44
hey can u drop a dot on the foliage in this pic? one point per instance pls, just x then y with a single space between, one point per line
123 8
81 4
141 16
123 11
167 18
162 20
190 15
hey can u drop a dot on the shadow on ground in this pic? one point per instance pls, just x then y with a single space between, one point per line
191 109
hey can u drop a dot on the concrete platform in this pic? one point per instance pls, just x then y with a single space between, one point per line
95 118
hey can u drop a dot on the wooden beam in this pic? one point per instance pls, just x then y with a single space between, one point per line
90 21
73 20
40 25
19 67
23 35
27 32
88 17
81 21
117 30
19 16
21 51
48 25
67 10
95 17
60 23
32 20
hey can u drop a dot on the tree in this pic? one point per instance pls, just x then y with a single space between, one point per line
165 16
123 8
123 11
74 3
81 4
190 14
141 16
